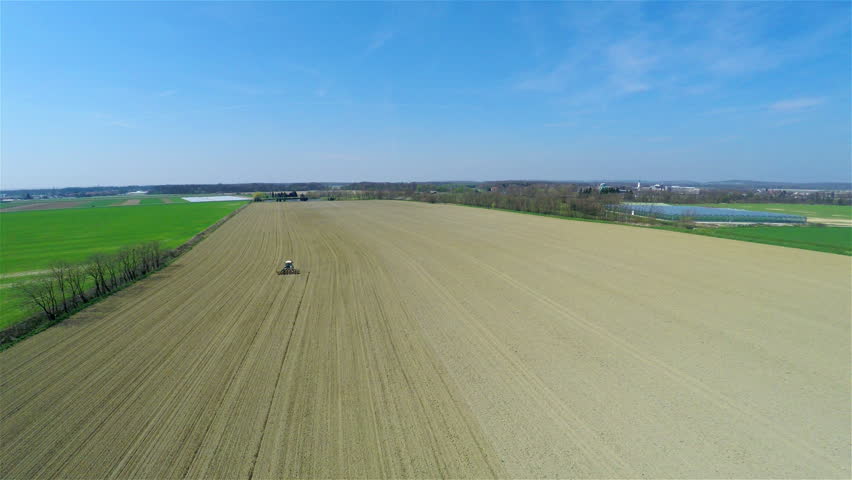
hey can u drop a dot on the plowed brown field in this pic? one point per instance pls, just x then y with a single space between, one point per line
430 341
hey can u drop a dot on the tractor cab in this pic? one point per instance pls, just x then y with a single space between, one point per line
288 269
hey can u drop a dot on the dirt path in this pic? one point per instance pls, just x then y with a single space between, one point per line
23 274
30 273
439 341
838 222
128 203
42 206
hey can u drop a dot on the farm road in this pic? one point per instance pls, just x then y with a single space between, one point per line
442 341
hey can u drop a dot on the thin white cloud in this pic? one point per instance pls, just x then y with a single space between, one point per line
629 63
166 93
120 123
724 139
110 120
379 40
796 104
731 109
633 87
792 105
701 52
552 81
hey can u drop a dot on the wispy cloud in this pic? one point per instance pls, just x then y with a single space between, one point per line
724 139
629 64
796 104
248 87
167 93
319 83
727 110
560 124
792 105
112 121
786 121
380 38
597 69
120 123
338 156
619 50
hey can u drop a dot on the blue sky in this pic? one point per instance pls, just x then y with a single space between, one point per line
141 93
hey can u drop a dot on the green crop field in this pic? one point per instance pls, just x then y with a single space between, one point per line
841 212
823 239
88 202
819 238
64 203
31 240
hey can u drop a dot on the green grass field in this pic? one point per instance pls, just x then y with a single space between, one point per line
32 240
64 202
89 202
822 239
819 238
841 212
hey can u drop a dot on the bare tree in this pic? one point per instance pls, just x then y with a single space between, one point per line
126 259
112 267
40 293
59 272
151 256
77 281
148 256
96 269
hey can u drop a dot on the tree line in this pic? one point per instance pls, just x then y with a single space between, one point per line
562 199
548 199
67 286
738 196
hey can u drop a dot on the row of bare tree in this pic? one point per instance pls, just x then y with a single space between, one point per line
560 200
68 285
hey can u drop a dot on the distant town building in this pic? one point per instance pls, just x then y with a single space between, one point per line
604 188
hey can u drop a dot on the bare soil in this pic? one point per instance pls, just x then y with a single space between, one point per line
22 274
128 203
439 341
838 222
43 206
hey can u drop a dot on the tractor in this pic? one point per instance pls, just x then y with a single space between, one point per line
288 269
